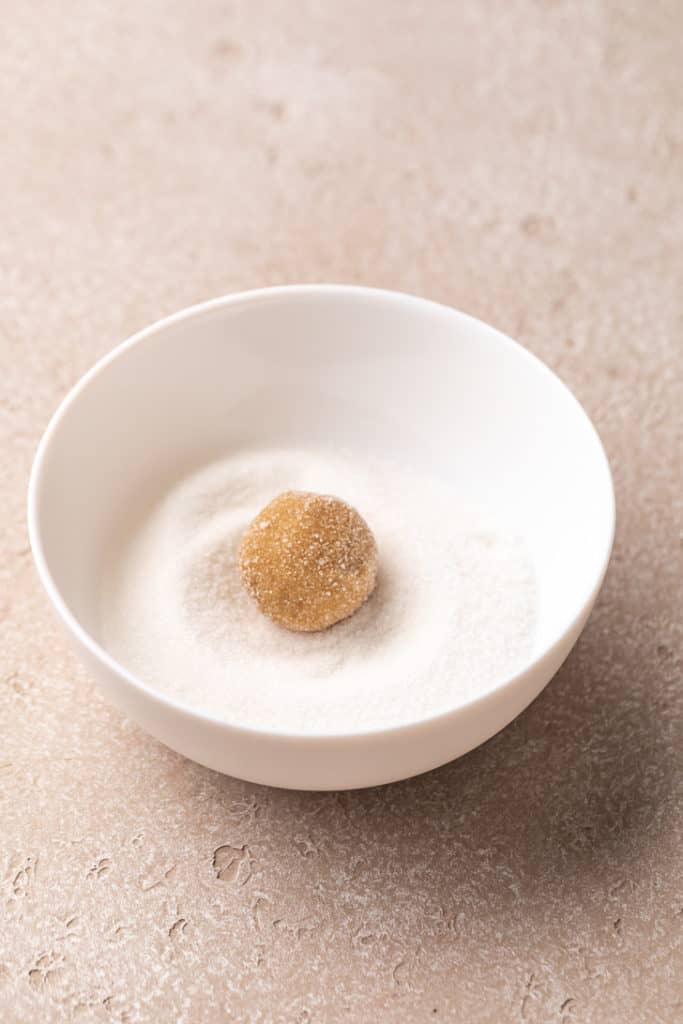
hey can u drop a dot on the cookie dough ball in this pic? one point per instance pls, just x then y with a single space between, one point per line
309 560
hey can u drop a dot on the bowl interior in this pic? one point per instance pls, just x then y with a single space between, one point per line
382 373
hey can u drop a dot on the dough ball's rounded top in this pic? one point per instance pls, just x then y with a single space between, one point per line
309 560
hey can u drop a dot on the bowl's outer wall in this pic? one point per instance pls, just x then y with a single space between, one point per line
328 763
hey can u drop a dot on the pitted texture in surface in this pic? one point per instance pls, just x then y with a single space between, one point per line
519 160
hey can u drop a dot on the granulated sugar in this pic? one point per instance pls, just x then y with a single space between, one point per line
453 611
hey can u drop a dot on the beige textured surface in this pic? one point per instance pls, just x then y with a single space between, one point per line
518 159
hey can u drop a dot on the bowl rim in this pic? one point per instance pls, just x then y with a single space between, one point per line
258 295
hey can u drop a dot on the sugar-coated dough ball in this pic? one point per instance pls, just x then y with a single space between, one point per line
309 560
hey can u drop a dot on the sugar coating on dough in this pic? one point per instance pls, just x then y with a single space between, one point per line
309 560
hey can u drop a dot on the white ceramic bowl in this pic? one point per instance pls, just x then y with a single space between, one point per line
326 365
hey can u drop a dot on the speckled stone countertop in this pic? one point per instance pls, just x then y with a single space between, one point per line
521 160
